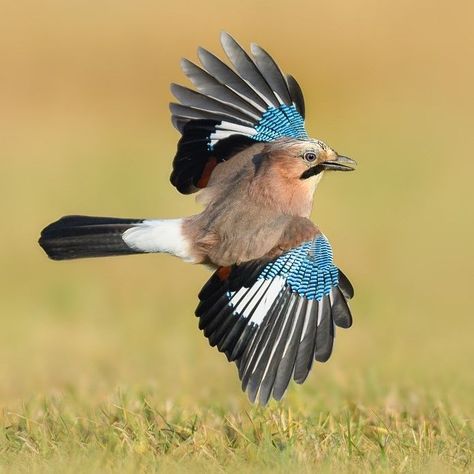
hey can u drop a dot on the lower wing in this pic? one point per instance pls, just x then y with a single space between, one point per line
273 318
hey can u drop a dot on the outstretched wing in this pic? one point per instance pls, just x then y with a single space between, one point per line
274 318
231 110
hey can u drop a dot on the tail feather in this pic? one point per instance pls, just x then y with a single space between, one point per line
84 236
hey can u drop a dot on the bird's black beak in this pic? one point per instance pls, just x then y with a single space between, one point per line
341 163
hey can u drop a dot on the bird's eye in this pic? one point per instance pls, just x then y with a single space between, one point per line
310 156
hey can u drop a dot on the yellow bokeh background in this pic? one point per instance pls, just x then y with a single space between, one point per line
84 128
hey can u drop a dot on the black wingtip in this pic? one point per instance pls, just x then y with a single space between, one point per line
346 286
341 312
296 94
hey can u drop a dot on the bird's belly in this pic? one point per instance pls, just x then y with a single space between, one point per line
244 243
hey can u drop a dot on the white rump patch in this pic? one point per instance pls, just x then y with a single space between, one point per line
164 236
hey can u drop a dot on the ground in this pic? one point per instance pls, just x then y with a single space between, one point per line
134 430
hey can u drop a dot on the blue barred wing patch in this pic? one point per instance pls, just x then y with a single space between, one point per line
279 122
283 121
308 269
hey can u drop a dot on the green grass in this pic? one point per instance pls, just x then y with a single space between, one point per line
134 431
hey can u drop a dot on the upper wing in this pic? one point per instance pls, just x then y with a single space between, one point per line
273 318
232 109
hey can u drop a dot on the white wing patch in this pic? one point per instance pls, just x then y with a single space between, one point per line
226 129
273 292
255 302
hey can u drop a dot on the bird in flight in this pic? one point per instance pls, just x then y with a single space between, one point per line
275 297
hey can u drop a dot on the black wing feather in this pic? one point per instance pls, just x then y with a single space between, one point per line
345 286
247 68
296 94
325 332
252 379
271 72
305 354
271 367
341 313
204 102
287 364
223 73
188 112
194 155
211 87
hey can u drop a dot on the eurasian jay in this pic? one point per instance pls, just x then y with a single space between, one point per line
275 297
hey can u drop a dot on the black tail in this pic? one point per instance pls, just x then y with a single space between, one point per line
83 236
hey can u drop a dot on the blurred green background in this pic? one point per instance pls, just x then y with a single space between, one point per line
84 128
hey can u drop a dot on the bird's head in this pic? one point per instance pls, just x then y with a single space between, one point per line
288 171
317 157
305 159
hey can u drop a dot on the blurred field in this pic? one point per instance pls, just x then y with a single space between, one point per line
102 365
